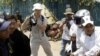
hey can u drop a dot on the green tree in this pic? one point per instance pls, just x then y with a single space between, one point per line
5 2
86 2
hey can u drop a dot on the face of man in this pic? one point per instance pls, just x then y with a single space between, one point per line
89 29
37 12
5 33
13 25
69 16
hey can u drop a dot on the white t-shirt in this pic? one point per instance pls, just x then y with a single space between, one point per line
65 34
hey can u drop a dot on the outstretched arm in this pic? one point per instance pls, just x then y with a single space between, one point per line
25 24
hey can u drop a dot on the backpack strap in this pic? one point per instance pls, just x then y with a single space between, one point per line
42 18
32 22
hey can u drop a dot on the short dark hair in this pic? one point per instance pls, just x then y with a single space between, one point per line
10 17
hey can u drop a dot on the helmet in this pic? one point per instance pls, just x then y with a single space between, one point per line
82 13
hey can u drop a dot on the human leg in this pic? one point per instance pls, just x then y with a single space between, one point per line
64 42
34 48
47 48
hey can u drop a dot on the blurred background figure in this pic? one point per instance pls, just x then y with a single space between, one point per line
20 42
67 21
54 32
19 16
19 19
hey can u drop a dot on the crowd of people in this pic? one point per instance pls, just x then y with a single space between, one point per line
76 30
79 37
13 42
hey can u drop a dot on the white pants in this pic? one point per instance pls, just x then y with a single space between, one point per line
35 44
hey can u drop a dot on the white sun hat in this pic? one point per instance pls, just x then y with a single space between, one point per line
87 18
88 22
37 6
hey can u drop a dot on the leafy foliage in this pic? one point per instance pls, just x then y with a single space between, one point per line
5 2
86 2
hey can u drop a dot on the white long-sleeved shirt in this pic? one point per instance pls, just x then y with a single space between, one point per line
89 44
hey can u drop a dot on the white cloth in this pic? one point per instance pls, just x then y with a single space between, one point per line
69 47
77 31
65 34
89 44
73 29
71 22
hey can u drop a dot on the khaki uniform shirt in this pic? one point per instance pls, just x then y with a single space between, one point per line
36 33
